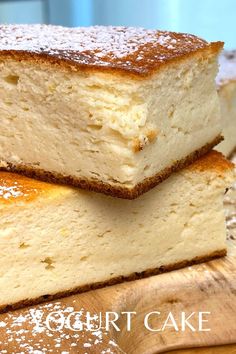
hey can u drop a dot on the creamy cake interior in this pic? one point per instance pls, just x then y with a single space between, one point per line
226 82
56 239
115 110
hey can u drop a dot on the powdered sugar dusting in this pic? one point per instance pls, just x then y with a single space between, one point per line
15 187
11 189
125 48
25 331
10 192
32 331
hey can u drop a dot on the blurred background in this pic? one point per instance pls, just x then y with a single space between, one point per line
210 19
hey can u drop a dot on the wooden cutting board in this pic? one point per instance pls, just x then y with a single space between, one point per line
211 287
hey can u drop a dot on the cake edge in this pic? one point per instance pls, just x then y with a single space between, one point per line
232 153
105 188
117 280
211 48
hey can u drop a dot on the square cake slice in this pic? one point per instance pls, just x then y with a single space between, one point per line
110 109
226 82
56 240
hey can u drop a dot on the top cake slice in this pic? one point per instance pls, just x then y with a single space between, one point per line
110 109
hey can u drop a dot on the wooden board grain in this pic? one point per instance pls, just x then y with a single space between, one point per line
208 287
223 349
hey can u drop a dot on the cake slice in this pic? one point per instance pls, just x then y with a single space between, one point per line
55 240
226 82
110 109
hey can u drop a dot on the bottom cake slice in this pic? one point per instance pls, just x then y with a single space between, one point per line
55 240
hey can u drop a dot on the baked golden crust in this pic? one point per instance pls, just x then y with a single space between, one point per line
125 50
15 187
116 280
213 161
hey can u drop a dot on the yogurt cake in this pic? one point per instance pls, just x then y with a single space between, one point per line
110 109
226 82
55 240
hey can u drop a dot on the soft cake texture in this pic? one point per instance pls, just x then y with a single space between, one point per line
56 239
110 109
226 82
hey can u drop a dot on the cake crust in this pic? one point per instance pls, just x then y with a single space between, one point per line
116 280
123 50
18 187
214 161
114 191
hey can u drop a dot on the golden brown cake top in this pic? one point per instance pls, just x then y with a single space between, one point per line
213 161
227 70
14 187
123 49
